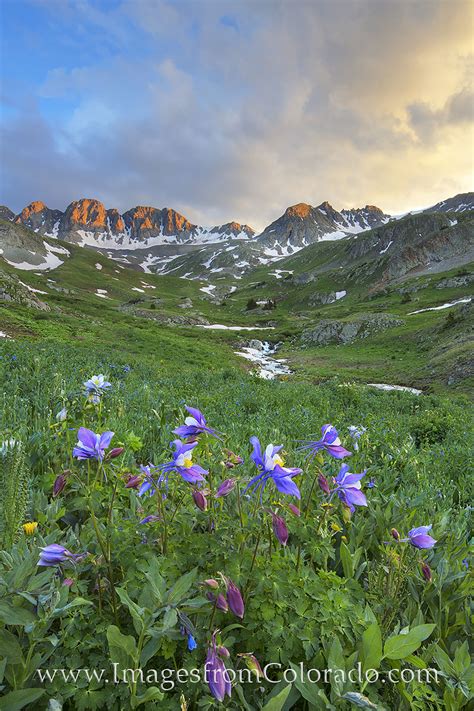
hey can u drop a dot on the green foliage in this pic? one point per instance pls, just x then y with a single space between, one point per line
15 488
339 594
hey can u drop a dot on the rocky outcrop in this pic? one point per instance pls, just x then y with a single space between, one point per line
13 292
459 203
40 218
331 331
6 213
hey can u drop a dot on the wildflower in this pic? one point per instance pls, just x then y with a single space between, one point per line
194 425
371 483
419 538
115 452
329 441
348 488
147 483
279 528
30 528
55 554
216 674
355 434
199 499
294 510
212 583
95 387
192 644
60 483
91 445
271 467
225 488
394 533
223 651
234 598
465 563
68 582
62 415
182 463
426 572
150 519
323 484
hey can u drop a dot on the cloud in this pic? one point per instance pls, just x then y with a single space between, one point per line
237 114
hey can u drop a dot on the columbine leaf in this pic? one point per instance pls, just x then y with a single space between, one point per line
371 647
276 704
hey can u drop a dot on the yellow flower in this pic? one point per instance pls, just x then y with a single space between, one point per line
30 528
335 527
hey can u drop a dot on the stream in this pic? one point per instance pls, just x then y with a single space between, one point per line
260 353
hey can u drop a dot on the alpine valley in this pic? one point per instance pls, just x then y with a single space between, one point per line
355 295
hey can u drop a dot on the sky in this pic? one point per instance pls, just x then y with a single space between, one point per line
234 109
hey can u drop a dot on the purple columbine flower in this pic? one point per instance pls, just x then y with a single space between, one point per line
200 499
216 674
329 441
279 528
194 425
219 601
148 483
91 445
182 463
54 554
419 538
95 387
235 599
355 433
271 467
225 488
348 488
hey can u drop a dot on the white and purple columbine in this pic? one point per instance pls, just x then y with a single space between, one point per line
183 464
330 442
348 488
215 672
91 445
194 425
271 466
355 433
95 387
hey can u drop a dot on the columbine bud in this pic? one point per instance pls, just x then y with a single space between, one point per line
279 528
225 488
426 572
115 452
234 598
219 601
60 483
232 459
133 481
323 484
252 663
223 652
212 583
294 510
68 582
394 533
200 500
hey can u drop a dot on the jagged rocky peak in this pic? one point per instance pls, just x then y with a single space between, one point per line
39 217
459 203
6 213
233 229
144 221
87 212
301 210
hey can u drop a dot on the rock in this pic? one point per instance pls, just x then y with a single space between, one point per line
186 304
453 282
13 292
330 331
256 344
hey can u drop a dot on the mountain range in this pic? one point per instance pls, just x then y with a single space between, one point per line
163 241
